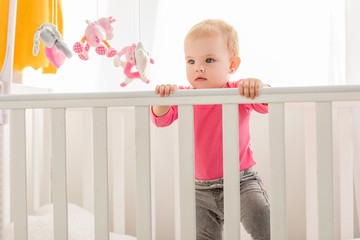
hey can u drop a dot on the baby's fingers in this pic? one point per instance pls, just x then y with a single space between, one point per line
252 90
243 88
162 90
170 89
258 86
165 90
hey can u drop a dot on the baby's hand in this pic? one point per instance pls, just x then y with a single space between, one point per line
250 87
165 89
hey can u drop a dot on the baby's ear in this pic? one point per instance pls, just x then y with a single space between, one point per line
235 62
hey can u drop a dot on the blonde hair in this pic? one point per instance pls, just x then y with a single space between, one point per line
211 27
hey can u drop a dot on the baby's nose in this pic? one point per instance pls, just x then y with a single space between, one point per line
200 69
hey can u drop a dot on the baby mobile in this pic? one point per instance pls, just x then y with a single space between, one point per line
97 34
56 49
135 55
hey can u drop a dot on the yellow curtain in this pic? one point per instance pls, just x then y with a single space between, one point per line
29 17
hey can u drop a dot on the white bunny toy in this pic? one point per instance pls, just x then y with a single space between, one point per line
55 48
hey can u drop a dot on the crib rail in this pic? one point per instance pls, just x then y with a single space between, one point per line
276 97
185 97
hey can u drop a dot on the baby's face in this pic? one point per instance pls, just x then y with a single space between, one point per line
207 62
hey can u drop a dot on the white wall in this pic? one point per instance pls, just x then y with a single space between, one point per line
283 43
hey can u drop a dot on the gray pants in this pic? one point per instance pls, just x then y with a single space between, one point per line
255 207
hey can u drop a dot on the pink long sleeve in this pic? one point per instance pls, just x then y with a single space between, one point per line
208 136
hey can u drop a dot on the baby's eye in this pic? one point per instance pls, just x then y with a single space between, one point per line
191 61
209 60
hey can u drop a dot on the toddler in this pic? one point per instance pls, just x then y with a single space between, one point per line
212 55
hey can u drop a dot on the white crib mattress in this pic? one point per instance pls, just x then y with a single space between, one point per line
81 225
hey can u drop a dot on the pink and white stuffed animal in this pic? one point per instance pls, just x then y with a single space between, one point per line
135 56
96 34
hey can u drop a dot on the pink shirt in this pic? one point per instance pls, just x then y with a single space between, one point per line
208 135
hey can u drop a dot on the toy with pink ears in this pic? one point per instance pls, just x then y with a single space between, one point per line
96 34
135 56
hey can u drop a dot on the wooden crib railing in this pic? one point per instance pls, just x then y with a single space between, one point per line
229 98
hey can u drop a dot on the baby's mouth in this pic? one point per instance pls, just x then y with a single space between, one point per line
200 79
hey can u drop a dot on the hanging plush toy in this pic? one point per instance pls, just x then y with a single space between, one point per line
135 56
96 34
55 49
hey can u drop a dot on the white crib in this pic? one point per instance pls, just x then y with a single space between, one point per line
325 98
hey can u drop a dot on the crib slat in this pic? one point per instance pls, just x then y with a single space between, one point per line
18 153
325 169
277 171
230 122
143 173
186 172
344 167
59 185
101 212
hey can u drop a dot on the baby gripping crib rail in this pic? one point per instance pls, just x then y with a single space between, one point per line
229 98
